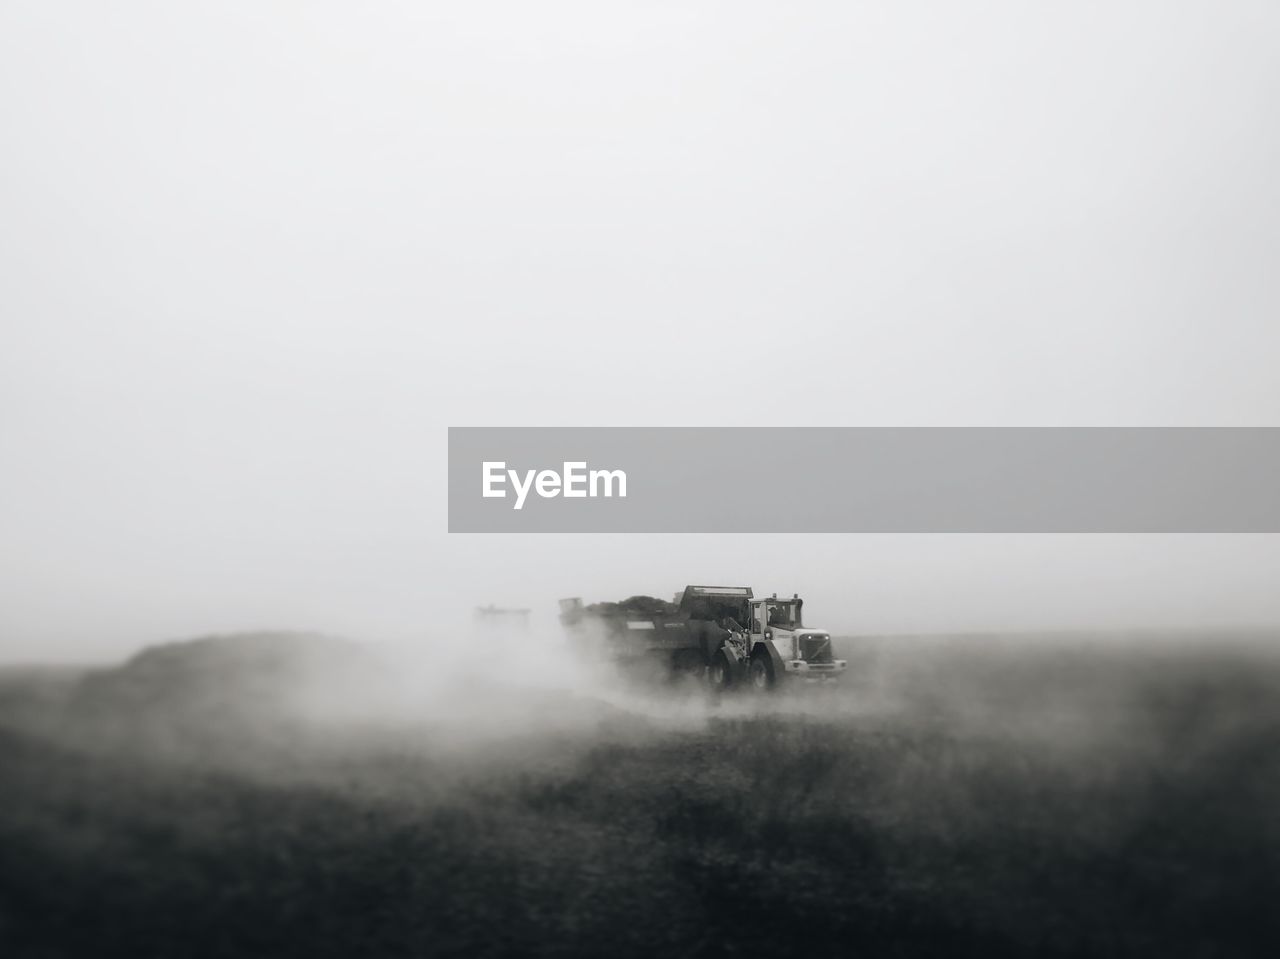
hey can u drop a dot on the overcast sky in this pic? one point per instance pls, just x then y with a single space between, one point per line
257 256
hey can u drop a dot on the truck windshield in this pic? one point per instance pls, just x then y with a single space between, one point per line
784 615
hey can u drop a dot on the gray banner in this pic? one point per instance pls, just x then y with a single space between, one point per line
863 480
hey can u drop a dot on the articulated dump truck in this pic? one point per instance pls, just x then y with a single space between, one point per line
721 634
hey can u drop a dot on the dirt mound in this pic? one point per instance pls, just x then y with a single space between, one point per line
641 605
223 684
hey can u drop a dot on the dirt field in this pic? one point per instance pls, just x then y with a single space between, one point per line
1059 796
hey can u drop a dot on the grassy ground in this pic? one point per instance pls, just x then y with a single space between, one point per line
958 797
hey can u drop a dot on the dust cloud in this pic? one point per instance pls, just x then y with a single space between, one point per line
494 792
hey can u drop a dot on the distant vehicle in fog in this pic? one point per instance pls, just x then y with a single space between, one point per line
498 616
721 633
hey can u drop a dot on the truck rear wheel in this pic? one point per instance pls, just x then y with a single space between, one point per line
718 676
761 674
686 664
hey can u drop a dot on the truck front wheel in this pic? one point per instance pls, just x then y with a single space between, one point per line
761 674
